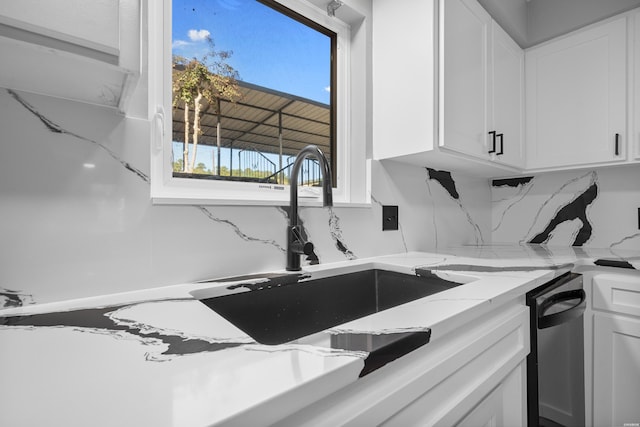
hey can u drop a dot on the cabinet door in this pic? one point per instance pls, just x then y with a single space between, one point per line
616 373
464 77
635 139
507 101
488 413
576 98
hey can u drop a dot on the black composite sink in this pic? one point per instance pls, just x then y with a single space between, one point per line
276 315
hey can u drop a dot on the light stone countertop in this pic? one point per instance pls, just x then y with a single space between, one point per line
160 357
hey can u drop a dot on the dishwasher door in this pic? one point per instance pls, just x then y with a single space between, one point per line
555 366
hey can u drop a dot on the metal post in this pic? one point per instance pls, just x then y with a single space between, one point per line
231 159
280 143
218 136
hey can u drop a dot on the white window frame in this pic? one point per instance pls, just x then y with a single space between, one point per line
352 169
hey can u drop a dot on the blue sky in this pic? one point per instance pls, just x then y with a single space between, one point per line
269 49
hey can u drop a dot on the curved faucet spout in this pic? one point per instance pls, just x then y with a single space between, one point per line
294 238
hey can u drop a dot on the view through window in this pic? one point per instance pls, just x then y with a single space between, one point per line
253 83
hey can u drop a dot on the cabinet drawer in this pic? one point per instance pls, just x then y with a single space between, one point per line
617 292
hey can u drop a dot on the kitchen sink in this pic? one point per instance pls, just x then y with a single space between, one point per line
297 308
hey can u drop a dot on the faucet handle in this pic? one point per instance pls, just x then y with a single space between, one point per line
298 244
307 248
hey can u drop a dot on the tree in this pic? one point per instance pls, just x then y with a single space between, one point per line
201 83
178 165
201 168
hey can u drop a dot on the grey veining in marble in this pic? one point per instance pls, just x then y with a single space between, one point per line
236 229
336 234
55 128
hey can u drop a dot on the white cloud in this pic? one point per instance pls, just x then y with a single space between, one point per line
177 44
327 89
198 35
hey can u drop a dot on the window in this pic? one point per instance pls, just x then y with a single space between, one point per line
260 80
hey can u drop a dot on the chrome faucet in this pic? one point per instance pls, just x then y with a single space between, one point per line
296 245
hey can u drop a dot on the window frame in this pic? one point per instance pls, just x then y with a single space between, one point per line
352 176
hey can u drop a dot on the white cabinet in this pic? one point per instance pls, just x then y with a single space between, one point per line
464 77
576 89
440 89
507 102
93 25
616 349
502 407
73 49
616 380
481 83
635 132
469 375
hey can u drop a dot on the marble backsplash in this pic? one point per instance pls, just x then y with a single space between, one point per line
76 218
589 208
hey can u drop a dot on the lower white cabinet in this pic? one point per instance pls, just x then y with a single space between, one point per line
616 379
616 349
470 376
502 407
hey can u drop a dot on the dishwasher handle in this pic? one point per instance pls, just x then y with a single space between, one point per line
573 312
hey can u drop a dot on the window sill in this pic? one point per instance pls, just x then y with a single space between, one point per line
303 202
266 196
183 191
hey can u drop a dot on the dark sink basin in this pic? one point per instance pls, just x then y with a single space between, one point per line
276 315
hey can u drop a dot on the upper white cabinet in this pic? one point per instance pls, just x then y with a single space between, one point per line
635 132
576 98
448 84
73 49
507 106
404 78
482 84
464 77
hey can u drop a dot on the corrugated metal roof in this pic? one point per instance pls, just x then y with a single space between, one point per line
253 122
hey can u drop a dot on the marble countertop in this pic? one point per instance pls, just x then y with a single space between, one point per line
160 357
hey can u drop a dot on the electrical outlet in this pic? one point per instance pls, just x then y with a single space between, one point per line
389 218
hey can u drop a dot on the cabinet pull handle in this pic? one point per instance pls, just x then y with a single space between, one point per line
501 136
493 143
617 144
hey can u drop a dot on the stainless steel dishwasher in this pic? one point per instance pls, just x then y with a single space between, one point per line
555 366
